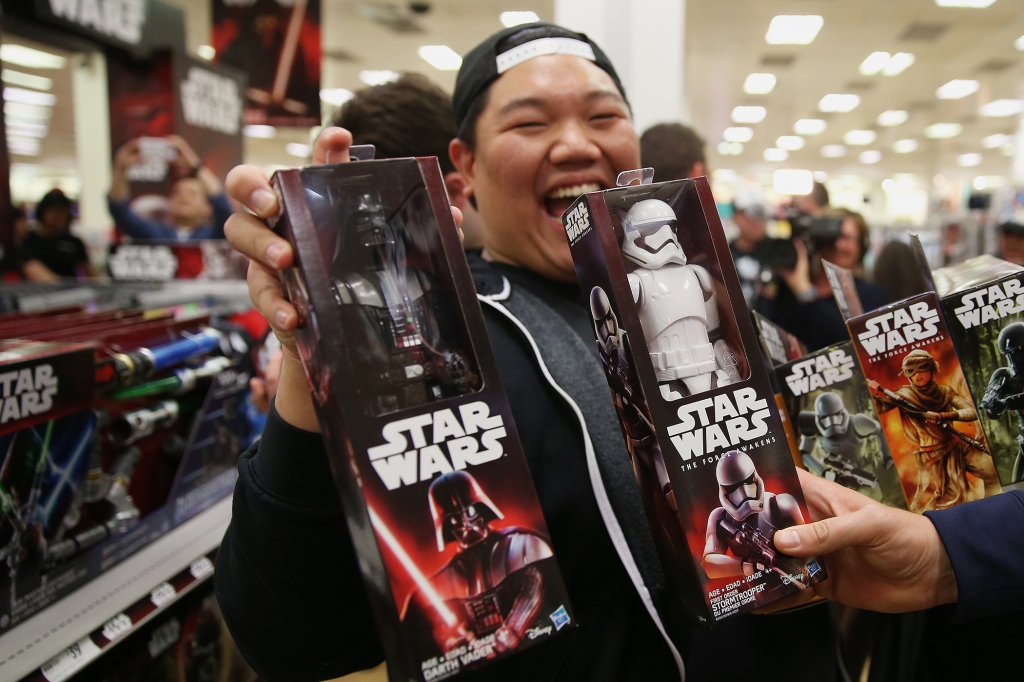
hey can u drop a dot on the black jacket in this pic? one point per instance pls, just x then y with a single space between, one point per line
292 595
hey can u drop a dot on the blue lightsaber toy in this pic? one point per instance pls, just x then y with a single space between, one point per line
142 363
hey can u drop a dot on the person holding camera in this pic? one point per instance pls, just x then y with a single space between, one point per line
800 299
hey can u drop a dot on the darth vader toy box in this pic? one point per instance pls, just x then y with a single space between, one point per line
986 321
697 410
440 504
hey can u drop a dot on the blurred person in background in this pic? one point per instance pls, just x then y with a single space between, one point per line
674 151
1011 242
50 252
815 203
953 247
412 117
896 272
198 207
801 301
750 247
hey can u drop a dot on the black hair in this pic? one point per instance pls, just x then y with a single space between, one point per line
672 150
52 199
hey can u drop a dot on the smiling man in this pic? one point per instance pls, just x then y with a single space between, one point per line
541 118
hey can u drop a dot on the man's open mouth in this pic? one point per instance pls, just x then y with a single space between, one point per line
557 201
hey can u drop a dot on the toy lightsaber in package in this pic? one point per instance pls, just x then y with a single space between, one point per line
928 417
696 407
986 321
453 546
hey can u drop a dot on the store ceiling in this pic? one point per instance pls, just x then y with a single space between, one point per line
725 43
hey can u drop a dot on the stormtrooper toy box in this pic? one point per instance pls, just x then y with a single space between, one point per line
986 321
453 546
694 401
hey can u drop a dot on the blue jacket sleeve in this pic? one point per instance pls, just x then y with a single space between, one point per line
985 544
221 212
138 228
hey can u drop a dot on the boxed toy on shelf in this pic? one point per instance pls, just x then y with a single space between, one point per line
695 404
427 461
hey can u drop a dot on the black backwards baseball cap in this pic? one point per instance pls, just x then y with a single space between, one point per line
513 46
1011 227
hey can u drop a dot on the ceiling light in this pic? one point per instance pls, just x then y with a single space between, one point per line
821 176
510 19
775 154
260 131
297 149
892 117
44 99
942 131
833 151
336 96
997 140
875 62
1019 43
206 52
897 63
859 137
793 29
724 175
441 57
809 126
1002 107
23 146
838 103
749 114
889 185
730 148
905 146
26 79
371 77
789 181
759 84
980 183
977 4
27 129
790 142
738 134
957 89
29 58
870 156
29 111
968 160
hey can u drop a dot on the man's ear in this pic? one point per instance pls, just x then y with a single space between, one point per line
464 160
456 186
697 170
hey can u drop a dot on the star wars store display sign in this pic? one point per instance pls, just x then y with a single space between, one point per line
277 42
986 322
696 407
927 415
454 549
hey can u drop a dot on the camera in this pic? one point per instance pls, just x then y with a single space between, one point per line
815 231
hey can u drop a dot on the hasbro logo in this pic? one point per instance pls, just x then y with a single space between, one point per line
560 618
813 567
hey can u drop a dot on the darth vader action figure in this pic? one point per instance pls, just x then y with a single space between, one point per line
494 585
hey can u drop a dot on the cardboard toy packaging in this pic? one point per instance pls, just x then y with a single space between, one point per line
928 417
695 404
438 497
985 313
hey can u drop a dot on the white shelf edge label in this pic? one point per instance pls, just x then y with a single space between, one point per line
71 660
201 568
162 593
117 626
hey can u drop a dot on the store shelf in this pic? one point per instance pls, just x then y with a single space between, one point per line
31 644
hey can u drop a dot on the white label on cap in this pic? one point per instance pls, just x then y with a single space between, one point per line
541 47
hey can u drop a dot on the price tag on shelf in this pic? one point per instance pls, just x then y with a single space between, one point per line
201 568
71 660
117 626
163 593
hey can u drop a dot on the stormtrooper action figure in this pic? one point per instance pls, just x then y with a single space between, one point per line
740 532
494 583
676 303
838 434
1005 391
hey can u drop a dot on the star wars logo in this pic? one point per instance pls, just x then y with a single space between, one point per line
996 302
821 371
471 438
577 223
27 392
900 327
718 423
121 19
211 101
143 262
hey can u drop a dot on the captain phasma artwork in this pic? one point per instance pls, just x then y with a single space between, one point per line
1005 391
613 348
830 441
493 584
740 532
677 304
405 348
